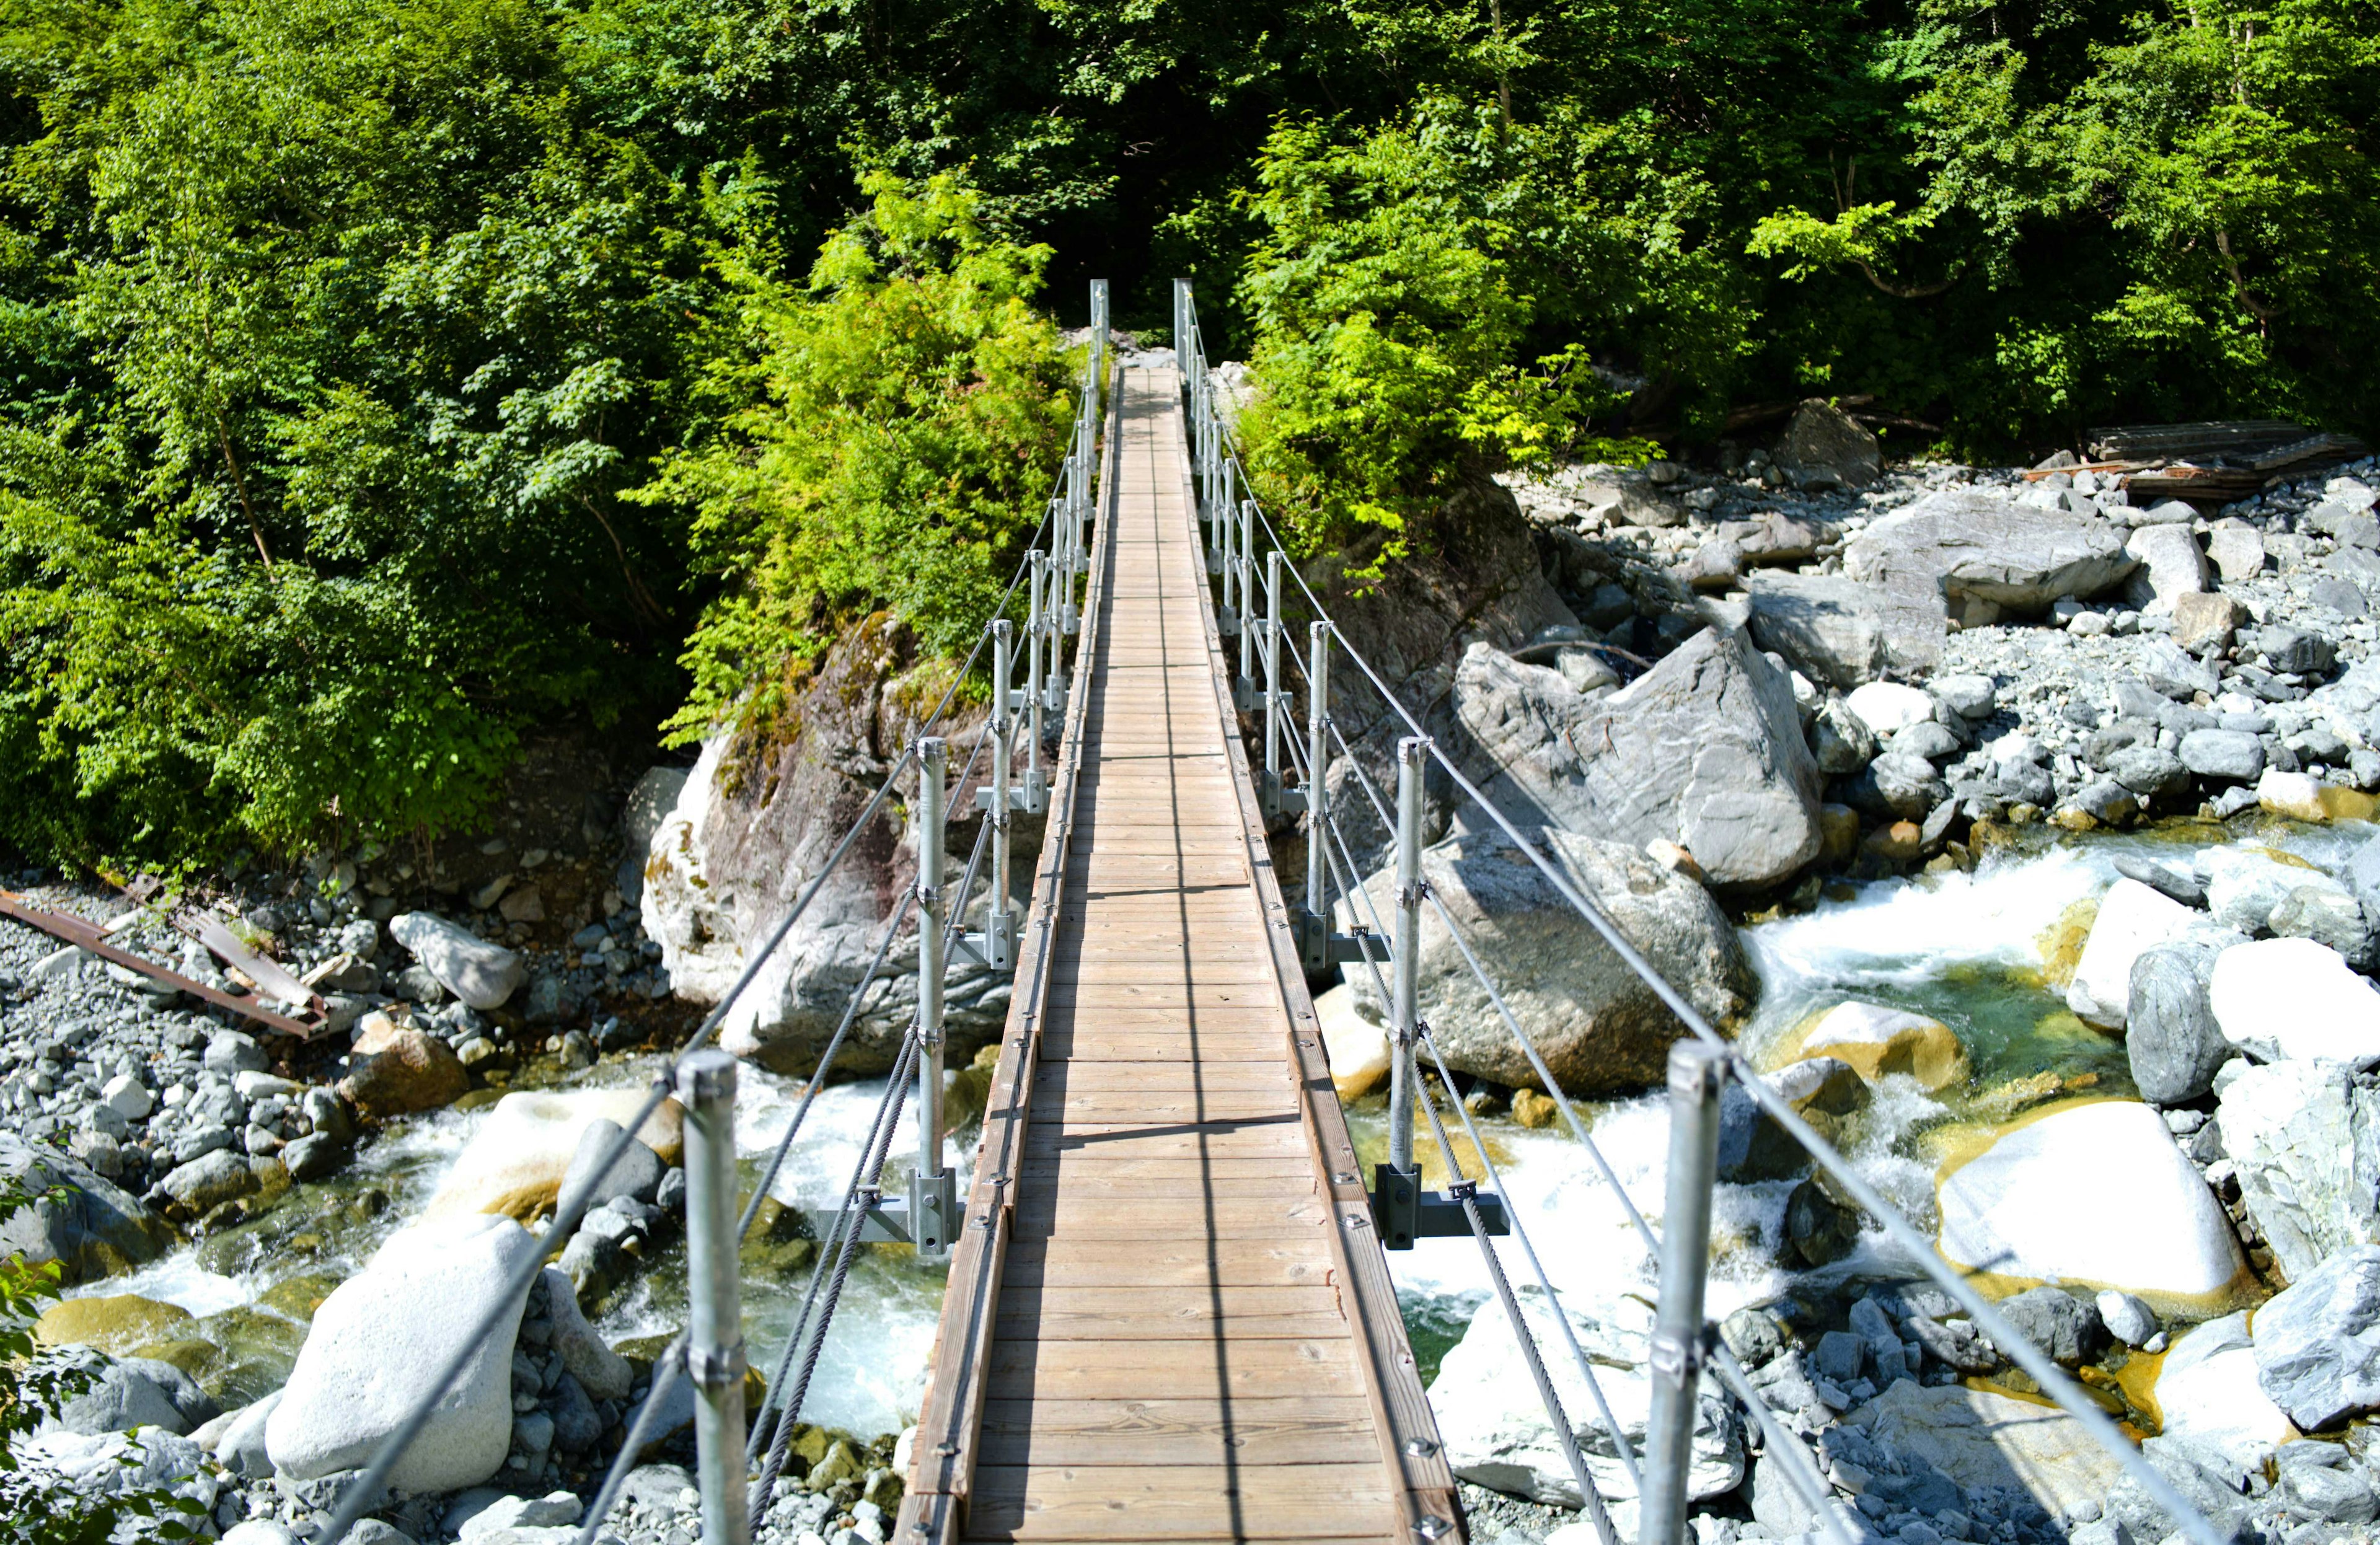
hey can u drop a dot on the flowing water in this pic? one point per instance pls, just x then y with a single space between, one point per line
1971 951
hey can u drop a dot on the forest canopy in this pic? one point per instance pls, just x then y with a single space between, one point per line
384 380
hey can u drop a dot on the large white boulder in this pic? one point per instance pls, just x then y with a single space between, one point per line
481 973
381 1340
515 1162
2293 1129
2207 1394
2244 885
2093 1195
1495 1427
2132 919
2295 999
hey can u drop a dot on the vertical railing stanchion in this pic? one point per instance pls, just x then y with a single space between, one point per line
1272 681
1676 1349
996 930
1034 627
1396 1194
1317 794
714 1353
1248 596
932 1191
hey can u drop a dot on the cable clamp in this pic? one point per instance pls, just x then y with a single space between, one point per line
1412 895
928 895
1461 1190
1678 1360
715 1368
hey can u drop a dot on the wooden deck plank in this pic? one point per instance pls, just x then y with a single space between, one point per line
1167 1350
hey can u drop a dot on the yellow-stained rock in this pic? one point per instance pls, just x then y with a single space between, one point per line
1876 1041
115 1324
515 1163
1357 1049
1838 833
1535 1110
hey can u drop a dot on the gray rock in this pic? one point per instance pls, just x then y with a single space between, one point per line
2306 1141
1839 1356
2323 1495
259 1531
2343 596
575 1425
2362 874
2237 548
314 1157
2318 1341
2150 772
208 1182
636 1173
1841 633
1704 750
2229 756
1599 1028
2186 889
2107 802
602 1372
482 974
552 1511
2326 916
1840 739
89 1225
1753 1335
2295 648
1986 558
2127 1319
240 1445
1972 697
648 805
1928 740
230 1053
2175 673
2057 1322
2170 1034
1825 446
2171 565
1897 786
137 1392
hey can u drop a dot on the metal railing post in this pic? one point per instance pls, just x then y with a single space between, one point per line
1317 797
995 911
1272 678
931 1190
715 1356
1247 592
1227 529
1405 1013
1677 1350
1035 625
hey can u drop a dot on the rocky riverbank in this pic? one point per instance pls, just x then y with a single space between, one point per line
2021 833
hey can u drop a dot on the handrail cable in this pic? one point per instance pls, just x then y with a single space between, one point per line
2053 1380
1587 1369
360 1496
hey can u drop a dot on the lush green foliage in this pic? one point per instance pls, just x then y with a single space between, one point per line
384 379
887 438
33 1509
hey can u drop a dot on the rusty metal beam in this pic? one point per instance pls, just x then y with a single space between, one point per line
87 935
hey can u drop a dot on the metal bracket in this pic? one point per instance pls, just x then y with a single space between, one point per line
1020 797
885 1221
715 1368
1278 798
1246 695
1676 1360
1227 623
1404 1212
994 947
1321 948
934 1213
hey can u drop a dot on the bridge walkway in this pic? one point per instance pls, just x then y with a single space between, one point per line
1168 1318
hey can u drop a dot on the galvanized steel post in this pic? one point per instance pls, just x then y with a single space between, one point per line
1227 531
995 911
1677 1350
1247 592
1404 1013
1035 625
714 1353
931 1189
1272 679
1317 797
